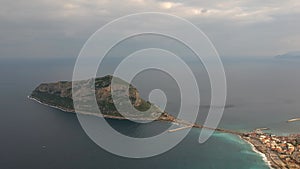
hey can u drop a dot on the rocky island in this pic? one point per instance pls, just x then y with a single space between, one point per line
59 95
279 151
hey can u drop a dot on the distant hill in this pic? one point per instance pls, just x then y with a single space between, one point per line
289 55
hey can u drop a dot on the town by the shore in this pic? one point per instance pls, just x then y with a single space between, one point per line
281 152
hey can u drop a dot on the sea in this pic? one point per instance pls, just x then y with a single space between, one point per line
262 92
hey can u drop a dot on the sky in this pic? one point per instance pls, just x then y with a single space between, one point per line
58 28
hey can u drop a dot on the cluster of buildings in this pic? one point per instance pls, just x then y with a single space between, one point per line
282 145
287 147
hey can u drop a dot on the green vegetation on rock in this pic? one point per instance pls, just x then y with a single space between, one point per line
59 94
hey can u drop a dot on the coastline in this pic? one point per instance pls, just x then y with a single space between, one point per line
101 115
264 157
34 99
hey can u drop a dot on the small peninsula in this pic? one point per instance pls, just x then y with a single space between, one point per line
279 151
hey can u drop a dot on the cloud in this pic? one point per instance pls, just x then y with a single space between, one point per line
248 27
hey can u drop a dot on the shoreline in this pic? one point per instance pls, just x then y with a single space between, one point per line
45 104
264 156
98 115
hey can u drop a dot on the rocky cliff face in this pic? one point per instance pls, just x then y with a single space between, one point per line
59 94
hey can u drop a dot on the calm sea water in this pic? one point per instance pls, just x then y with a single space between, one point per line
263 94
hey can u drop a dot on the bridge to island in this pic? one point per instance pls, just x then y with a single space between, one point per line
187 125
